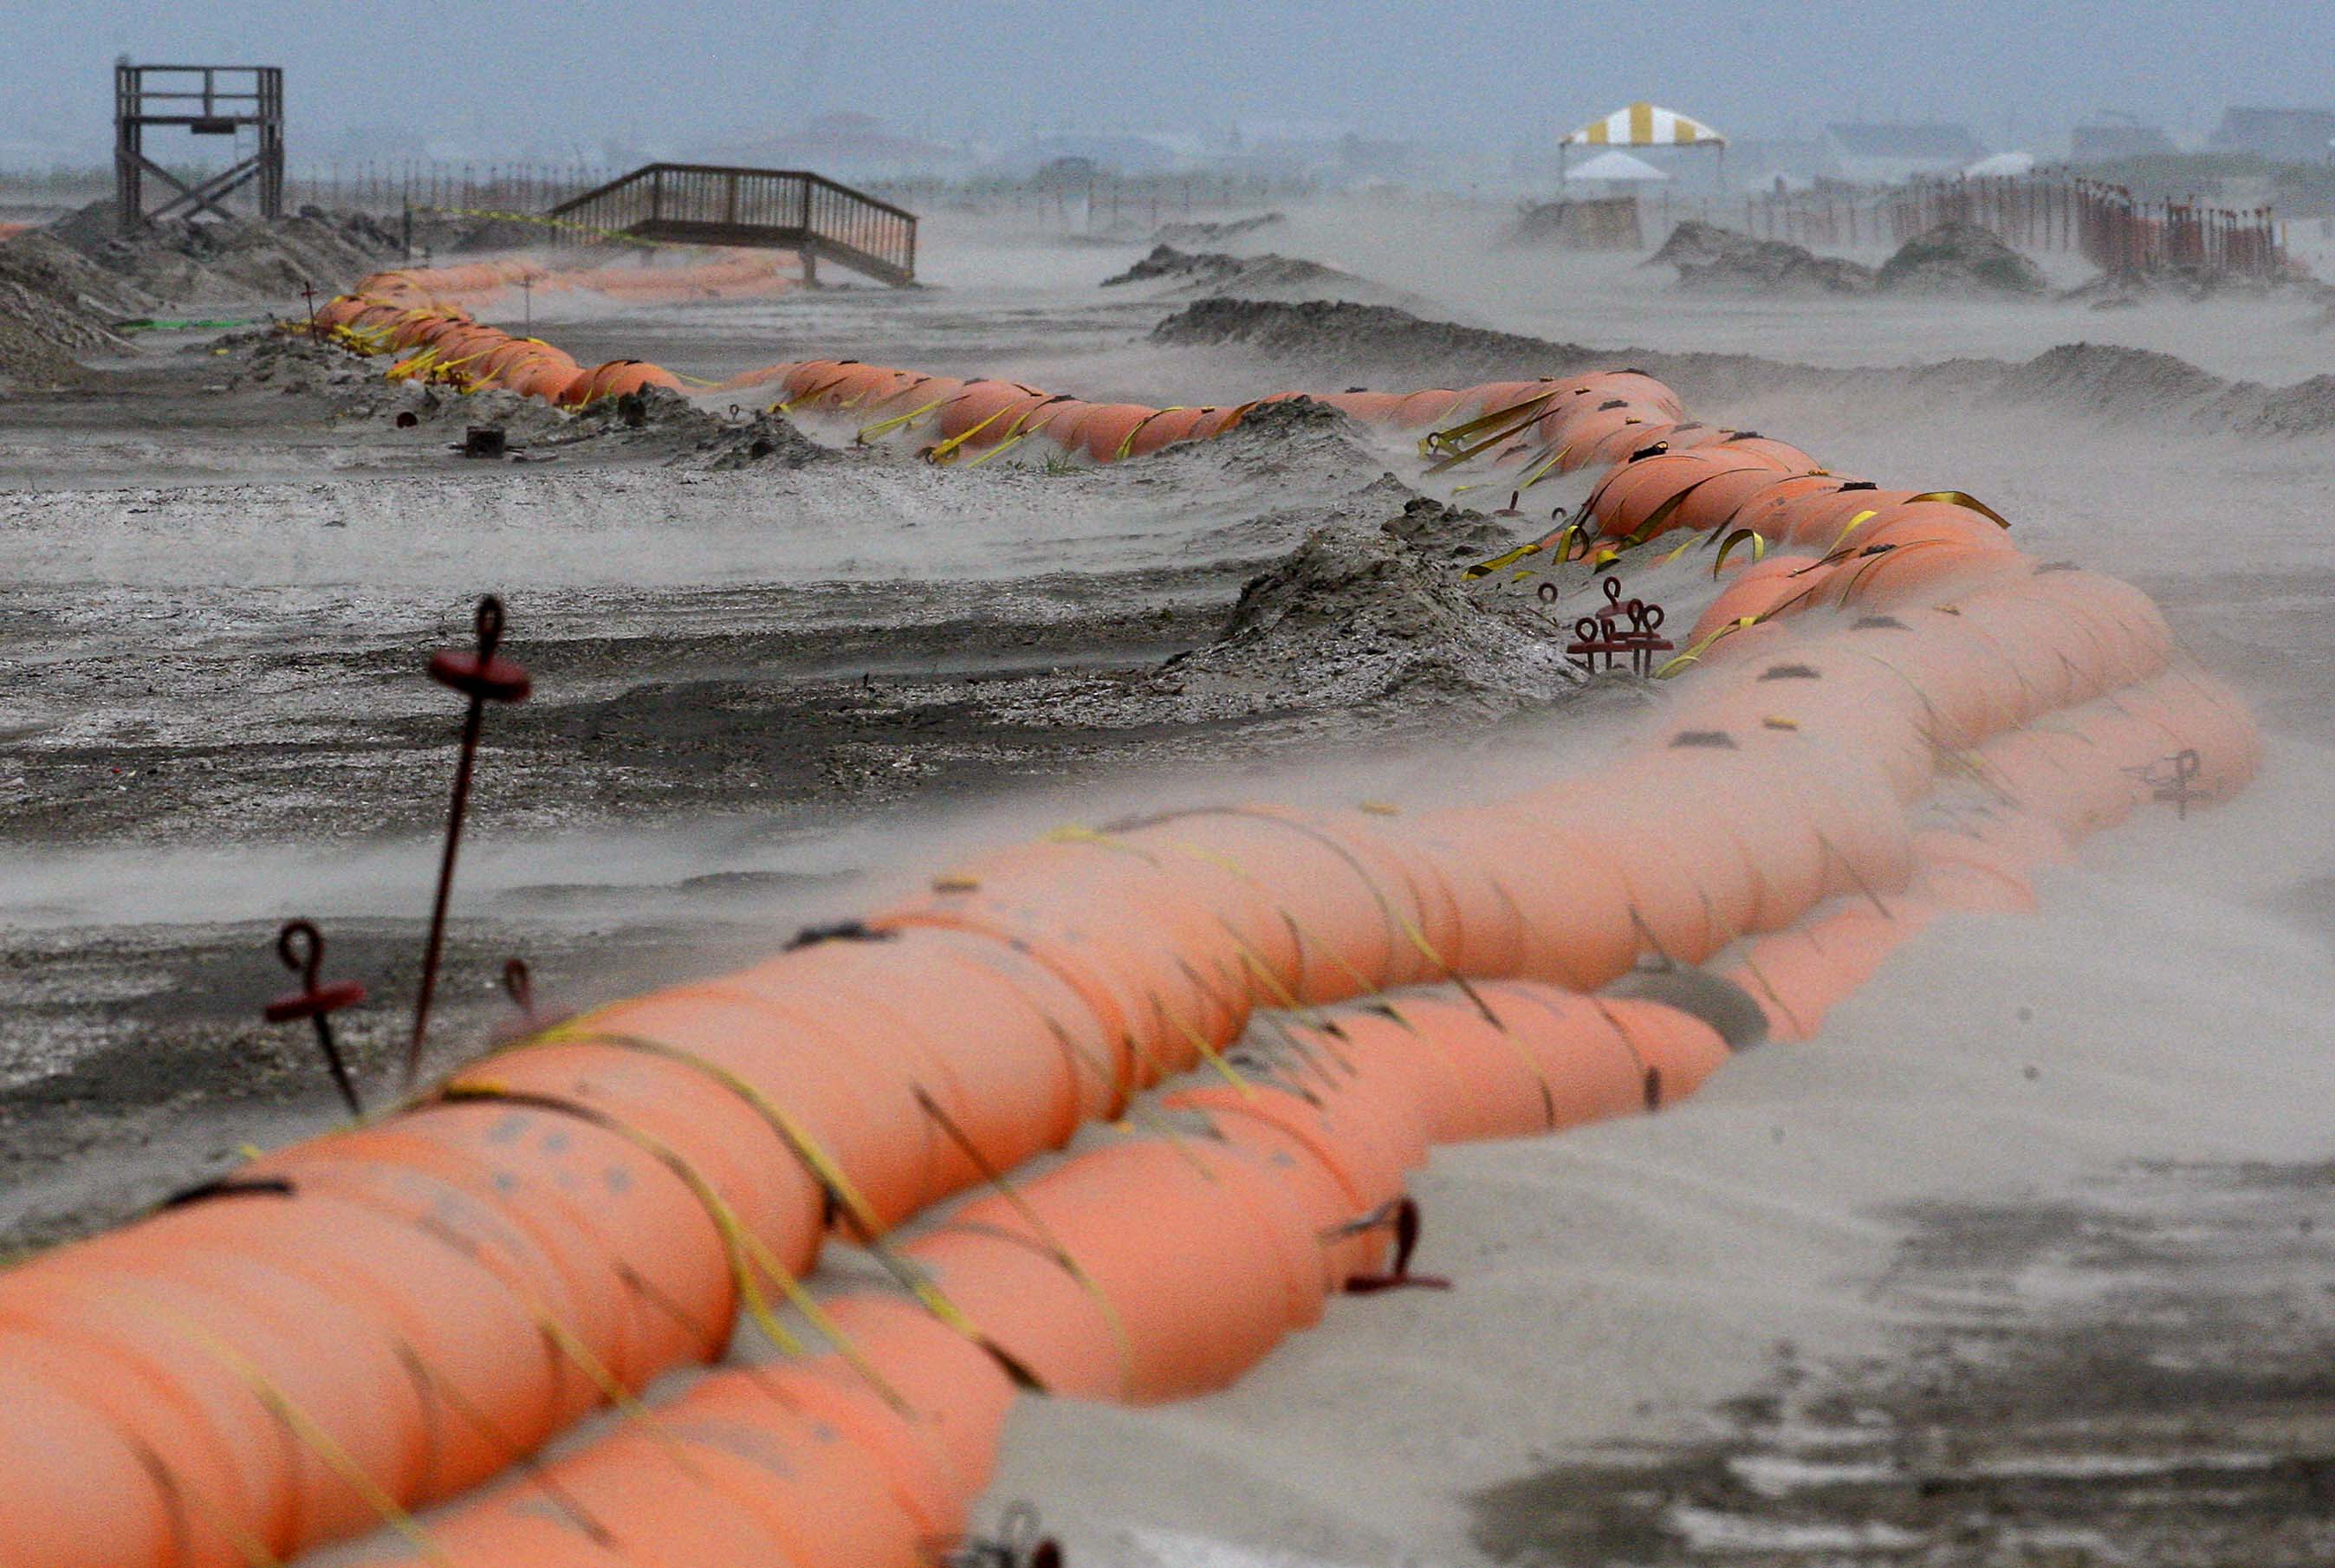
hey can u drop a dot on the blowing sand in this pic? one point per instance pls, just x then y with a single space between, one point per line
1859 1301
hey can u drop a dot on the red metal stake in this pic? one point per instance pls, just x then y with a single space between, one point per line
484 679
518 984
1402 1215
302 947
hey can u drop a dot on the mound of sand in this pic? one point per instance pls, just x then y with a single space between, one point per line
45 319
2112 381
29 361
1216 275
1188 235
765 439
1325 340
660 423
1166 261
2103 379
471 234
1346 340
1379 618
1710 258
238 261
42 298
104 294
1960 259
1308 444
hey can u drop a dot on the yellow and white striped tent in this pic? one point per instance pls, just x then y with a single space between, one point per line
1641 124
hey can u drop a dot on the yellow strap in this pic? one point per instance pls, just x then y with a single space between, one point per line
1456 435
1694 653
1037 1222
1964 499
1301 1050
1855 523
1855 875
178 1494
1024 429
867 434
1208 1053
514 1456
947 448
1769 986
1507 1037
1758 548
1485 569
1456 455
746 1250
1556 454
1277 992
1871 563
612 1387
824 1168
732 1232
301 1425
1128 445
821 390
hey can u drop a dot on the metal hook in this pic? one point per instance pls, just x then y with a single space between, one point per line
1403 1216
518 984
301 946
489 620
482 678
300 933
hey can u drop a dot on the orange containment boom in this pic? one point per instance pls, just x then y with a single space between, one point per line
1904 717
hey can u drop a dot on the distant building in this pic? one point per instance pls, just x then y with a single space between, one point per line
1755 163
2110 141
1325 151
2284 135
1884 154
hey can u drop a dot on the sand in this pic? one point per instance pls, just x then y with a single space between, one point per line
766 691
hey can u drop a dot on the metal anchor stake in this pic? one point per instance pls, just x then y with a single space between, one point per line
2172 780
1630 627
518 984
1402 1216
1020 1543
302 947
484 679
2180 787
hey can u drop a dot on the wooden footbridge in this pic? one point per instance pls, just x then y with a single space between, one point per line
764 208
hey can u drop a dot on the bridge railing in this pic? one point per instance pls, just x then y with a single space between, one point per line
721 205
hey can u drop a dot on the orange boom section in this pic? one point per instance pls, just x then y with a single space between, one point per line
421 315
1904 715
1552 425
1565 424
1162 1266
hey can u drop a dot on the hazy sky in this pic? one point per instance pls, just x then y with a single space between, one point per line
498 75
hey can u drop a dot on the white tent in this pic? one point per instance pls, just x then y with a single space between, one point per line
2002 166
1616 167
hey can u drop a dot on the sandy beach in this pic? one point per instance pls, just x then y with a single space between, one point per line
2025 1260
